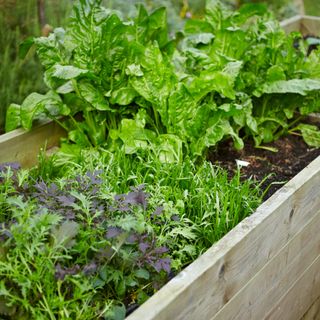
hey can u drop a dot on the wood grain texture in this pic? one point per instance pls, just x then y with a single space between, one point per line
292 24
24 146
300 296
310 25
206 286
314 311
300 6
276 277
307 25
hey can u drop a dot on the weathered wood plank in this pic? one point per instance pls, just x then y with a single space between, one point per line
314 312
307 25
310 25
276 277
308 285
203 288
300 6
24 146
292 24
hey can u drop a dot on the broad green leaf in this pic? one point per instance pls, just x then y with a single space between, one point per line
299 86
67 72
79 137
212 81
200 38
142 274
93 96
194 26
133 134
38 104
65 88
13 117
134 70
310 134
25 46
115 312
169 148
275 73
123 96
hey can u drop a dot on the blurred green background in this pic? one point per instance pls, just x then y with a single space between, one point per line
20 19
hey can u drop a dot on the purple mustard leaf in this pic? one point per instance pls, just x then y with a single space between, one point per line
133 238
94 177
162 264
160 250
66 201
90 268
52 189
119 197
101 207
143 246
113 232
175 217
61 273
158 211
140 187
123 209
12 165
41 187
137 197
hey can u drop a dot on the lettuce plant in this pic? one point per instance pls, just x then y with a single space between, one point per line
125 83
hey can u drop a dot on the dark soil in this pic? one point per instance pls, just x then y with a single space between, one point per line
293 155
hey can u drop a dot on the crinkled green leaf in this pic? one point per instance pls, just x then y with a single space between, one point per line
275 73
25 46
115 312
299 86
13 117
93 96
36 104
310 134
123 96
142 273
212 81
65 88
67 72
169 148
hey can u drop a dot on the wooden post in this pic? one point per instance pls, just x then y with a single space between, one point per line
41 13
300 5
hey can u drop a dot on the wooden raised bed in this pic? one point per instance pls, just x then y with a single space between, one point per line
267 267
24 146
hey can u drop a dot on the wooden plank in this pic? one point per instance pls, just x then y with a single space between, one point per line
307 25
292 24
310 25
276 277
204 287
24 146
314 312
308 285
299 4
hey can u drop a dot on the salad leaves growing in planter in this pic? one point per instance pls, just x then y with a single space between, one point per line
231 75
93 241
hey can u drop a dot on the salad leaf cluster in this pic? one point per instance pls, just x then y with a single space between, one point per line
94 241
233 74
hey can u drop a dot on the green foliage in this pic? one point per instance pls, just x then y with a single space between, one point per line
19 74
89 233
232 75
